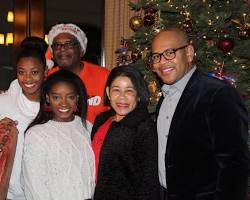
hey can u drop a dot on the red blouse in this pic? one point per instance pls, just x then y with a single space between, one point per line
98 140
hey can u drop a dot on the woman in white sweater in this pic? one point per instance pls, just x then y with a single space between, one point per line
21 101
58 161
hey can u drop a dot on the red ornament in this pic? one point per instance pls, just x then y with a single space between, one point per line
149 20
150 11
149 17
226 44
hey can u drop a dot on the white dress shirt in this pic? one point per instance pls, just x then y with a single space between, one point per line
172 94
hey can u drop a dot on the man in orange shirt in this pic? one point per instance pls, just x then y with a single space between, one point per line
68 44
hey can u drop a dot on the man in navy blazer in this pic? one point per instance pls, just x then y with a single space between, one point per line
202 127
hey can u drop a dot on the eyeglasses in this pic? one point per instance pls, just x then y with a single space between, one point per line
66 45
168 54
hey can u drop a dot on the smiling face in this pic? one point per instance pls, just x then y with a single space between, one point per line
171 71
30 75
62 99
67 51
122 96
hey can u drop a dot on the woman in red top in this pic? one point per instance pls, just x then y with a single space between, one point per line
124 140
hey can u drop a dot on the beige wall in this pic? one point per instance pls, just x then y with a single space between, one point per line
116 25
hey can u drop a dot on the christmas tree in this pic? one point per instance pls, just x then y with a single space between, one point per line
219 30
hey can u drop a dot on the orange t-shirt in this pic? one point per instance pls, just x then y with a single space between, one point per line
94 78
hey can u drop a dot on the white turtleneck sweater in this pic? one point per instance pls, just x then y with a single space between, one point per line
15 105
58 162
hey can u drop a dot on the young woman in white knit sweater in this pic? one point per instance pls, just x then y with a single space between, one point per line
21 101
58 161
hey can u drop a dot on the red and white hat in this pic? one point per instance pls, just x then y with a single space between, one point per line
71 29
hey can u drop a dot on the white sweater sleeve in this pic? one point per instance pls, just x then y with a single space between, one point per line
34 168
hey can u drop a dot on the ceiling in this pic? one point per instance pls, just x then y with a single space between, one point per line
75 11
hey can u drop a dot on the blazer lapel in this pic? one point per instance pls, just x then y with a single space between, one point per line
184 105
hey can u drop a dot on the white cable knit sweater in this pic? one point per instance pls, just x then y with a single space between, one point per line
58 162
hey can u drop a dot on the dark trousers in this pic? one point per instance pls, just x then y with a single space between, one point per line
163 193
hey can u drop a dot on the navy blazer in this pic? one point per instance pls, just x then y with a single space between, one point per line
207 156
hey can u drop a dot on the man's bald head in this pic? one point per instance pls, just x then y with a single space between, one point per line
173 34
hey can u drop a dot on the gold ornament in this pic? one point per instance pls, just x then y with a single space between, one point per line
154 91
152 86
155 98
135 23
157 27
244 27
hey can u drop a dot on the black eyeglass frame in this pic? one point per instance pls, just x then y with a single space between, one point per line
172 51
66 45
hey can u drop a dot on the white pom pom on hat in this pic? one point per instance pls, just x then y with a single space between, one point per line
71 29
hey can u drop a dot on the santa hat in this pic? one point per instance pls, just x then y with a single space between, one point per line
71 29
